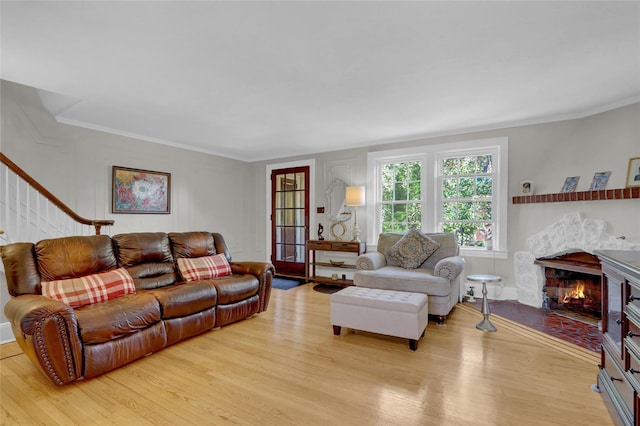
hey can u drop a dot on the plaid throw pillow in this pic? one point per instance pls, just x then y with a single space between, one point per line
204 268
77 292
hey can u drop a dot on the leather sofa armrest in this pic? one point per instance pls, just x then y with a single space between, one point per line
47 332
449 267
264 271
371 261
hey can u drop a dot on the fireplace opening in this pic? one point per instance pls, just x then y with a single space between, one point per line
572 285
572 290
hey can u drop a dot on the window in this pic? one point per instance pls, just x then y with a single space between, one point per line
466 192
458 188
401 200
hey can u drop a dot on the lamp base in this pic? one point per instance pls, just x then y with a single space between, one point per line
355 232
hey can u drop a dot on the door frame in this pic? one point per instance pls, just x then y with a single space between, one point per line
311 163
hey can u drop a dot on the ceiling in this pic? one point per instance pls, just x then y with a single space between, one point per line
264 80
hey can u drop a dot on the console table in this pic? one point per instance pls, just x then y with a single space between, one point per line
313 246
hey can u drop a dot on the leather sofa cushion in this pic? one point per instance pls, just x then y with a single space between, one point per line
148 276
234 288
72 257
142 247
192 244
20 268
102 322
185 299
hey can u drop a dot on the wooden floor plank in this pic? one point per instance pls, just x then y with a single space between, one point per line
285 367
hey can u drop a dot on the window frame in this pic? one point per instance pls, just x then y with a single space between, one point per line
431 157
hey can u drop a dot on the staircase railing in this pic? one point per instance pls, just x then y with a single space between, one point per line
31 212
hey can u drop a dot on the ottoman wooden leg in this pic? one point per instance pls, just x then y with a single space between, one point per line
413 344
336 330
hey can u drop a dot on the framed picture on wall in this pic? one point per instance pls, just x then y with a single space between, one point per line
633 173
140 191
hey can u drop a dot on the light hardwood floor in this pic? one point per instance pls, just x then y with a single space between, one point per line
285 367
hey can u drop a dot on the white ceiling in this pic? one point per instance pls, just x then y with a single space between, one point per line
264 80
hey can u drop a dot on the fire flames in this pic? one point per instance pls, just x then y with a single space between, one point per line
575 293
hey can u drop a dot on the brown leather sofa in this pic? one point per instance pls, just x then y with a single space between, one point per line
71 343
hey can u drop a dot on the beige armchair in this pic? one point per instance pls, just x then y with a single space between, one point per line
438 276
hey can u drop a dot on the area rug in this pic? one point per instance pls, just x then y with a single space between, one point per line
555 324
285 283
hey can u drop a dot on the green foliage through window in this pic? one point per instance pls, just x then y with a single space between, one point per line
401 202
467 198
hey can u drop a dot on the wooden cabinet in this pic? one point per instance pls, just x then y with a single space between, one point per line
619 376
314 246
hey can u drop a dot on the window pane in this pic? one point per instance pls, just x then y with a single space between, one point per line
399 213
449 211
466 188
483 186
485 164
401 172
467 165
387 191
450 166
465 211
387 213
414 215
401 191
414 191
416 171
450 188
483 211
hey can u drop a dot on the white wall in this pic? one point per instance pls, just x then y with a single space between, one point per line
544 153
228 196
207 192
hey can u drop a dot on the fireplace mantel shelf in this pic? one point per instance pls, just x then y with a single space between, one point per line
595 195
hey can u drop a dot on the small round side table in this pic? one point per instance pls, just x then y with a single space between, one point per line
485 324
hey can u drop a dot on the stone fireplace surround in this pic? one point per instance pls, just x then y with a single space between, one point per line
572 233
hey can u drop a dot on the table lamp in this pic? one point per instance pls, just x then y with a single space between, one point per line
354 197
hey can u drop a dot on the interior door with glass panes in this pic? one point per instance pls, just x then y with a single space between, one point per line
289 219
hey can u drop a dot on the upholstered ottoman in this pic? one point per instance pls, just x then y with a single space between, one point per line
394 313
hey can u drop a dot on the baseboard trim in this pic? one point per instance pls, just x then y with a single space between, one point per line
6 334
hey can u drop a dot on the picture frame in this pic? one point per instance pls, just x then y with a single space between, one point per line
599 181
570 184
526 187
140 191
633 172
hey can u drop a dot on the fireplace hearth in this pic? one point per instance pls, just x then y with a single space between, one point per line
572 282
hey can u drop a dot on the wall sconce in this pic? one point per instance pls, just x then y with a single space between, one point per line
354 197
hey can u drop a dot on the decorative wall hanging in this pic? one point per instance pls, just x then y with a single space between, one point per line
140 191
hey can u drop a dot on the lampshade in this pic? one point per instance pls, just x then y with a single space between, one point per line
354 196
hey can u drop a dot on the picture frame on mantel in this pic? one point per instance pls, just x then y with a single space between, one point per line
526 187
600 180
570 184
633 173
140 191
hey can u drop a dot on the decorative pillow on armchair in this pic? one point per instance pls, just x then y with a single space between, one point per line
413 249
